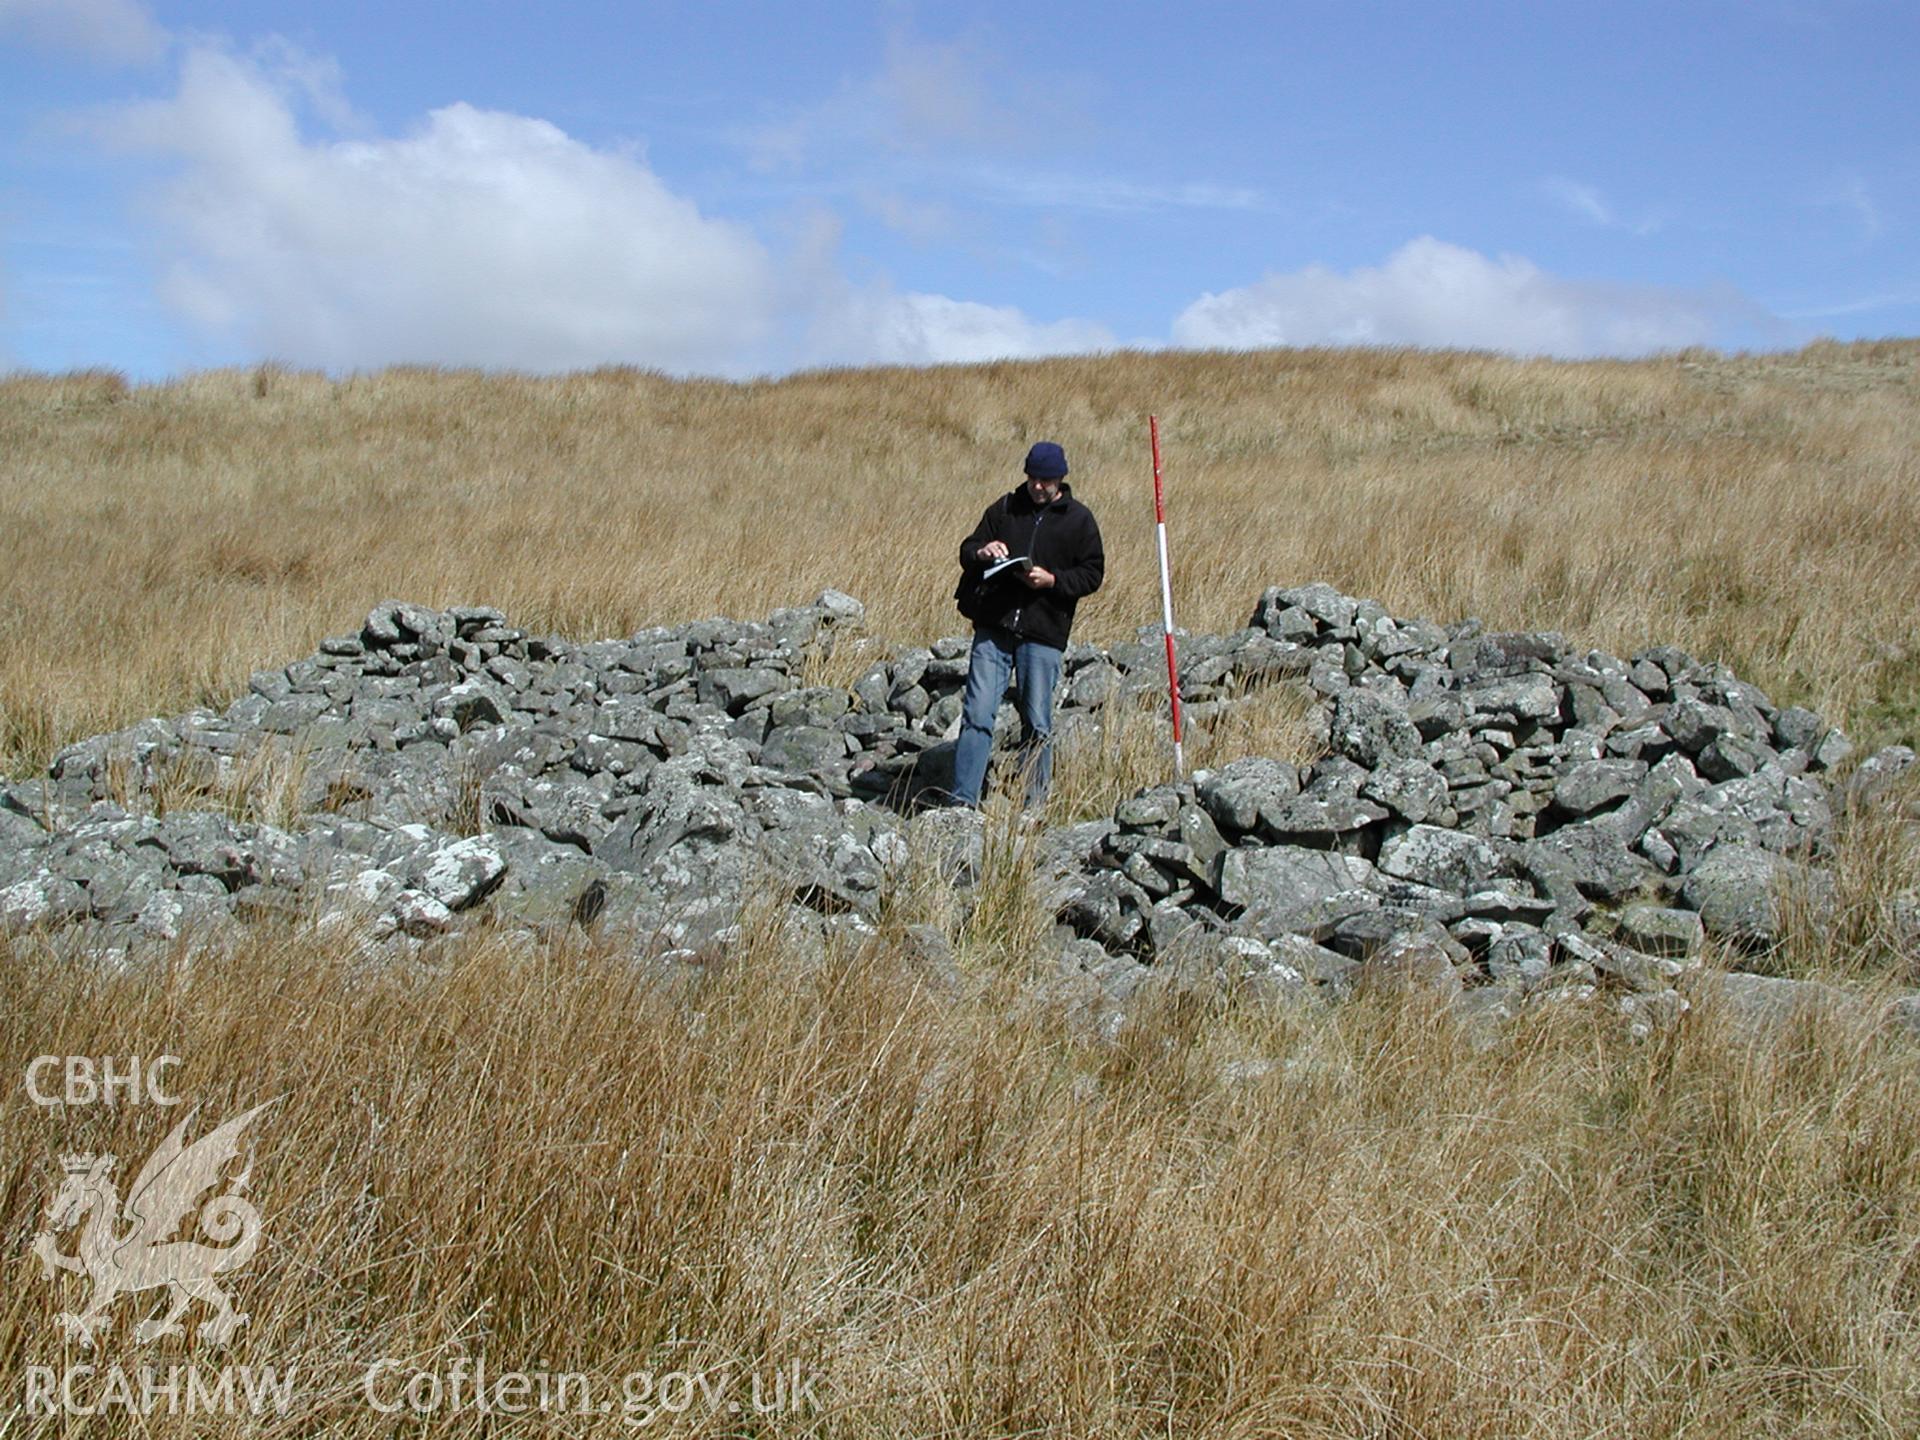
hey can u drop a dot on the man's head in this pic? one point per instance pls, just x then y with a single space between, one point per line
1046 467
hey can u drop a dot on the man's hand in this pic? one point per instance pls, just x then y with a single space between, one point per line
1038 578
993 550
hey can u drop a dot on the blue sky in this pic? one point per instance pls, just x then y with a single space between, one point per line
743 189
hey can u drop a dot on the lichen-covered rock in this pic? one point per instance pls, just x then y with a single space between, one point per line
1371 730
1744 893
1443 859
462 873
1285 880
1591 785
1593 856
1235 793
1660 930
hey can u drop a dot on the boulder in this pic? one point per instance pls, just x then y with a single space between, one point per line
460 874
1287 880
1659 930
1410 788
1443 859
1593 856
1592 785
1318 821
1743 894
1371 730
1235 793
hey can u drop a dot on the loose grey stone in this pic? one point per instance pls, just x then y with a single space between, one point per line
1234 794
1285 878
1743 893
1647 973
286 717
1876 774
1833 748
732 688
1371 730
1695 724
1732 756
1411 788
1445 859
1411 963
40 901
804 750
1105 906
1650 1012
1764 1003
1317 821
1529 697
1586 787
1511 901
1320 600
462 873
1797 729
1522 956
1507 654
1203 841
1149 809
417 914
1592 855
1659 930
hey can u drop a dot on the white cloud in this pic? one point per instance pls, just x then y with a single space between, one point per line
487 238
483 238
1434 294
917 329
480 238
112 32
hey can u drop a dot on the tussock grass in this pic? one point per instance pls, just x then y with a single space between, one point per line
967 1219
161 542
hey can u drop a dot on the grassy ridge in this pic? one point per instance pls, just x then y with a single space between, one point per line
162 542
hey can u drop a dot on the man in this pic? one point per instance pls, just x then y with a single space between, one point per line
1022 614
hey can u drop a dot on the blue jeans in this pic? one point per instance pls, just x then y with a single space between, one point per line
1035 670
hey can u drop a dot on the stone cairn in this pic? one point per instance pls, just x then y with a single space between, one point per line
1495 817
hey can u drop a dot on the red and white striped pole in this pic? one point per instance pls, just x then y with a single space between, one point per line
1166 598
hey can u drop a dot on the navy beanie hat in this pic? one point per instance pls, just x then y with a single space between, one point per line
1047 461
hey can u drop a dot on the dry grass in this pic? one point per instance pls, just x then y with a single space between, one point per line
1097 767
960 1213
965 1219
162 542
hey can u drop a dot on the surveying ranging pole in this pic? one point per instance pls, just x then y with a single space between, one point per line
1166 598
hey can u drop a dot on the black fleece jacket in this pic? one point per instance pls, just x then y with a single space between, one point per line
1061 537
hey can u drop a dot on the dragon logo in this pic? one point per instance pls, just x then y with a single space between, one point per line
144 1255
